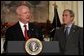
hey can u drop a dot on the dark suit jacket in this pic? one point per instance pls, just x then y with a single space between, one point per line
14 33
73 45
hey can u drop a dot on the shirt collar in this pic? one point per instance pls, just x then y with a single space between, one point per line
22 25
70 25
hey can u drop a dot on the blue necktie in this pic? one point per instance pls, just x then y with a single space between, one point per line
66 32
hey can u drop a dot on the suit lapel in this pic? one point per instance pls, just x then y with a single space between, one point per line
19 32
63 40
30 31
72 30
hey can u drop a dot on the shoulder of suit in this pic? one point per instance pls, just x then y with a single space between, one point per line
13 26
17 24
77 27
32 25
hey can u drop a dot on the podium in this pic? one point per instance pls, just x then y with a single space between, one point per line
18 48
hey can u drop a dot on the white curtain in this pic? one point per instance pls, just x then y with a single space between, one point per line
76 6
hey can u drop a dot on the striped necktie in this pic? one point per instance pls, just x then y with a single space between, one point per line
25 33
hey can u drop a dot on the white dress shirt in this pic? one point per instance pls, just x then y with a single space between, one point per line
69 27
22 26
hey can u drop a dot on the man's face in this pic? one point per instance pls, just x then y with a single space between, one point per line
24 14
67 19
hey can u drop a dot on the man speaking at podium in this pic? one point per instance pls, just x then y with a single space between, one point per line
22 30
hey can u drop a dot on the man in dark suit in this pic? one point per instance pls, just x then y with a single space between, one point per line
22 30
69 36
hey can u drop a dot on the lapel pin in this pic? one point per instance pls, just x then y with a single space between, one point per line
73 30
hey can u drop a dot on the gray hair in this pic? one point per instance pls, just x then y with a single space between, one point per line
19 8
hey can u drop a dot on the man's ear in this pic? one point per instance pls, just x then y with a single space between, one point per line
72 18
18 16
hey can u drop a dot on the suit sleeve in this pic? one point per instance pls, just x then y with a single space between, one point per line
81 42
7 36
5 44
39 34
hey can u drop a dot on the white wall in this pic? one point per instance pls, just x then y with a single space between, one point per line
80 13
